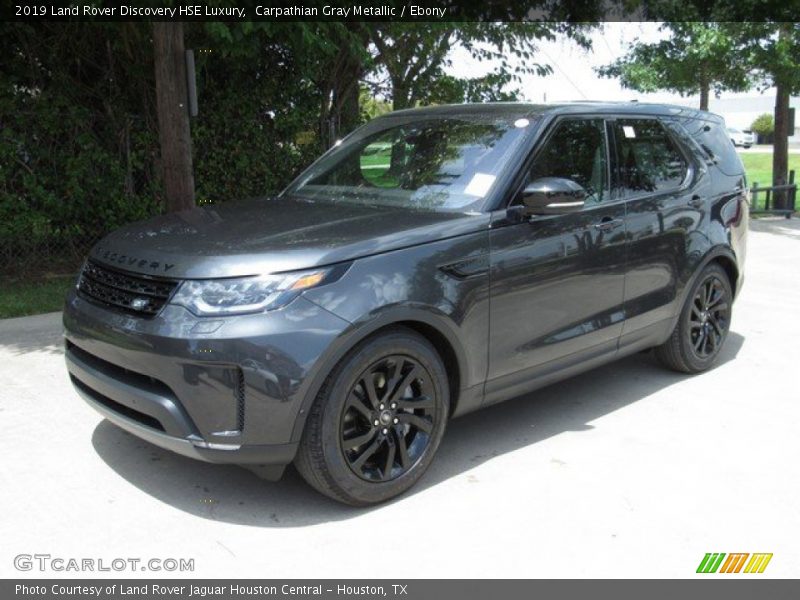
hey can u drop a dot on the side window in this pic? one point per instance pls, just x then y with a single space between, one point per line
649 160
576 151
714 139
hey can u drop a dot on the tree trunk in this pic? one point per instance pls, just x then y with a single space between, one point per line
344 109
400 94
400 101
339 113
704 95
780 148
173 115
348 105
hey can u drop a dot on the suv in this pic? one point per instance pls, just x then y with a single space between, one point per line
434 262
745 138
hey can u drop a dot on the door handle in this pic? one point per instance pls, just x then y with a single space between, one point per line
696 202
607 224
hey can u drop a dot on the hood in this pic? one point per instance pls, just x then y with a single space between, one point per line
270 235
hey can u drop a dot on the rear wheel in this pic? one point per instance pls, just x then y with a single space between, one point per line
378 420
703 325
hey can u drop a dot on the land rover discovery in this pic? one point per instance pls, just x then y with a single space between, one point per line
434 262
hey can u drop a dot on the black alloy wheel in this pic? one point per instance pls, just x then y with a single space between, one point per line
703 325
388 419
710 317
376 424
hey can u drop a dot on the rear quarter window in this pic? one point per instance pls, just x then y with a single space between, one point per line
716 141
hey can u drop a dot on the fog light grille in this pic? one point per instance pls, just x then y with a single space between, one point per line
240 401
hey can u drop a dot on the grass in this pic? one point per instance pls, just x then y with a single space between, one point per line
759 169
376 155
20 298
375 166
759 166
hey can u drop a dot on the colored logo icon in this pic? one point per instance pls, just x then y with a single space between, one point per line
717 562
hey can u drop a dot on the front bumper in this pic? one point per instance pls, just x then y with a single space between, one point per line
229 396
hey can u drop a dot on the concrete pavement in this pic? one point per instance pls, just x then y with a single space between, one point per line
626 471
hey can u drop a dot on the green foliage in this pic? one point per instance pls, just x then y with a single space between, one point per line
763 125
370 106
695 58
493 87
76 156
774 53
254 102
716 40
79 152
409 61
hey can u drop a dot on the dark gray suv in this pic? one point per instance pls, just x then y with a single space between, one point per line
434 262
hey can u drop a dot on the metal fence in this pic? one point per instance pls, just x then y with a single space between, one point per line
785 195
30 259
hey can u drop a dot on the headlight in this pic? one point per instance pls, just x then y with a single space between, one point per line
216 297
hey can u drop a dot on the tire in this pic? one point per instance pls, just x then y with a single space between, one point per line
703 325
342 453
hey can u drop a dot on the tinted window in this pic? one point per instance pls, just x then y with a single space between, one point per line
413 162
714 139
649 160
576 151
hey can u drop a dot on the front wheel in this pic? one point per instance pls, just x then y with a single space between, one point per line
378 420
703 325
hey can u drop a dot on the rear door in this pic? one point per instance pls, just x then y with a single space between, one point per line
557 280
664 205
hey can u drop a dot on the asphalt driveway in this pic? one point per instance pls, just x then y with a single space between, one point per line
625 471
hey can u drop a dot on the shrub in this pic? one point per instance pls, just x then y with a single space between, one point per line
763 125
79 152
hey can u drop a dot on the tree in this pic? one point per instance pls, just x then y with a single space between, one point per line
766 44
493 87
331 56
696 58
775 55
173 115
259 108
338 79
409 60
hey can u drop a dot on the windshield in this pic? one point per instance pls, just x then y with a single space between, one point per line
433 163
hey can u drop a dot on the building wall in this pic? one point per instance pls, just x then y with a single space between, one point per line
740 112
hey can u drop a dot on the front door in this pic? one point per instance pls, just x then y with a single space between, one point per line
557 280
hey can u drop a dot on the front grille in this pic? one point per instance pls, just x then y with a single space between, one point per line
138 294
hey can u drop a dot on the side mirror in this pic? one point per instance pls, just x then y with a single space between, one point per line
553 196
